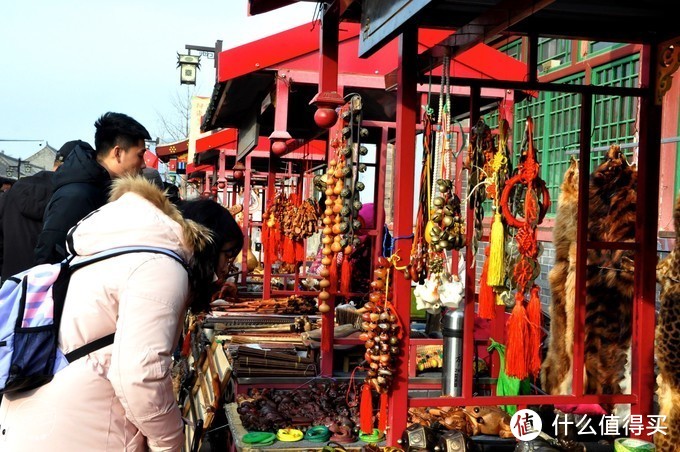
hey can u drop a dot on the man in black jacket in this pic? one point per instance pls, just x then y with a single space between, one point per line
82 183
21 215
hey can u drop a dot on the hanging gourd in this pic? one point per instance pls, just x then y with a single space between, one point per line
382 332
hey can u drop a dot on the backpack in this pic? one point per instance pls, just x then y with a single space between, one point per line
31 304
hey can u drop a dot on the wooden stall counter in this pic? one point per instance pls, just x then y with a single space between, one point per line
238 445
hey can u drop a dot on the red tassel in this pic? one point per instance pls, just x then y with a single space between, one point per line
515 357
534 313
382 419
333 276
299 251
346 276
275 243
288 250
487 298
366 410
264 238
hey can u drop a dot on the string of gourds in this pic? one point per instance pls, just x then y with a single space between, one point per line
342 189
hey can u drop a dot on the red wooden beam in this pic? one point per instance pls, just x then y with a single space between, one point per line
404 163
646 227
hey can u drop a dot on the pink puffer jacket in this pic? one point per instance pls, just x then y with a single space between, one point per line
119 397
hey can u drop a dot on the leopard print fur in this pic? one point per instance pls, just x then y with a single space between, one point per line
556 373
609 290
667 345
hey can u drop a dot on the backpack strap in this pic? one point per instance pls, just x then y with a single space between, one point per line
90 347
126 250
108 339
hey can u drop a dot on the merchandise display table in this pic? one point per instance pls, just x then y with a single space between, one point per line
238 431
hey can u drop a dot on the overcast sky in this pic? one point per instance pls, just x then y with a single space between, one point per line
66 62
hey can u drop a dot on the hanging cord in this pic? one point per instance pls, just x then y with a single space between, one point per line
394 241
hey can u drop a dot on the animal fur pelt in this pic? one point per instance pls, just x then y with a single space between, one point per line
609 290
556 374
667 345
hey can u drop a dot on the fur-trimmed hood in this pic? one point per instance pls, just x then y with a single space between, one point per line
138 213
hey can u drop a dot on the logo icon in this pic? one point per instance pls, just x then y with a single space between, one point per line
526 425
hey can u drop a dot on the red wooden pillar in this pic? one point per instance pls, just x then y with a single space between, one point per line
280 133
328 98
269 195
380 197
646 226
245 227
582 243
404 163
470 271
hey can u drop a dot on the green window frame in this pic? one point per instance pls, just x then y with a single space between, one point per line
549 50
614 117
556 118
513 49
595 48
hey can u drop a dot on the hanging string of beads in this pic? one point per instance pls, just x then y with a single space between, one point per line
382 332
341 215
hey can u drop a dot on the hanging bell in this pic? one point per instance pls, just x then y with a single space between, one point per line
356 224
357 205
360 186
362 167
363 150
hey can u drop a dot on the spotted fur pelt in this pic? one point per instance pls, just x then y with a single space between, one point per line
667 344
609 291
556 375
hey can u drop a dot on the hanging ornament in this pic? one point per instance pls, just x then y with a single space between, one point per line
524 332
382 332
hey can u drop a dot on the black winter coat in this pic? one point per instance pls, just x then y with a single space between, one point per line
81 186
22 212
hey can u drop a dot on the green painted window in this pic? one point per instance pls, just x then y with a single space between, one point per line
614 117
553 53
513 49
598 47
556 118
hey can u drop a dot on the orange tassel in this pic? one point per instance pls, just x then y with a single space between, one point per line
366 409
299 251
487 298
534 314
346 276
382 419
515 357
288 250
274 243
333 276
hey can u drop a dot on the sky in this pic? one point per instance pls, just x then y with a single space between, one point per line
64 63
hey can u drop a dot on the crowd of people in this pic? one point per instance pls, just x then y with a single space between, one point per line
97 198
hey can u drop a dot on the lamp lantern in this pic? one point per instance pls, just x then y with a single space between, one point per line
188 64
238 171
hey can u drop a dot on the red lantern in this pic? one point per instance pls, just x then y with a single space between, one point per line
279 148
325 117
238 171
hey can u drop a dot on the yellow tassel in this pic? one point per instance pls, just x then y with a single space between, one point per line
496 275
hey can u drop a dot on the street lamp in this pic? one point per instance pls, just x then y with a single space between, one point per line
189 64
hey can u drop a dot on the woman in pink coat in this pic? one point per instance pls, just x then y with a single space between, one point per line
120 397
